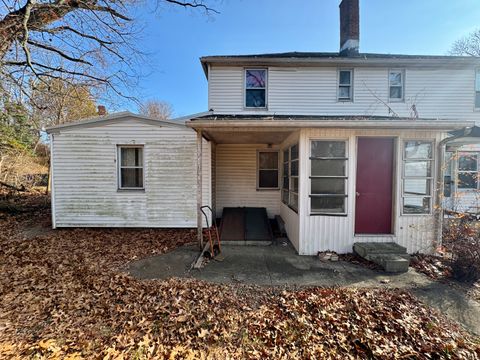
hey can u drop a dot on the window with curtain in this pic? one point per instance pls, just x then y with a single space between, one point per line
267 175
417 177
255 88
130 167
328 177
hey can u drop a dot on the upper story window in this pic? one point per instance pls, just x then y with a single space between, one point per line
130 167
267 176
477 89
256 88
345 85
396 85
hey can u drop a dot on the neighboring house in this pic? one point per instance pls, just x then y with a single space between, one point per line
345 147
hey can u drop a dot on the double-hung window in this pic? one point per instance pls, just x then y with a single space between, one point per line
255 88
396 80
345 85
290 177
477 88
328 177
468 171
417 177
267 176
130 167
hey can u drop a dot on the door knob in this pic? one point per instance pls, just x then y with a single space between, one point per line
357 193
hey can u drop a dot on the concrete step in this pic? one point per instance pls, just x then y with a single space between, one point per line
395 263
370 248
390 256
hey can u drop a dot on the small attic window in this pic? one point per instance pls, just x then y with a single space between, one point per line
255 88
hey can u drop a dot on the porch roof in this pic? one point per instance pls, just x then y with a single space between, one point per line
224 128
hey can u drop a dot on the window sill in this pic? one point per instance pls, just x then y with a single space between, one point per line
268 189
142 190
328 214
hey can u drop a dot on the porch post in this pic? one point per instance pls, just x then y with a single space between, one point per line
199 190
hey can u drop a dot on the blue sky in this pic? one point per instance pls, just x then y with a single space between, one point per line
175 38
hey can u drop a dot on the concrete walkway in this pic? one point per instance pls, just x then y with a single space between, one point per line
280 265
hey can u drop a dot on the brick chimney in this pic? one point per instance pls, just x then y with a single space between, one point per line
101 110
349 27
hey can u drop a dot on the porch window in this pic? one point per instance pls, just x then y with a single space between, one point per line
328 177
255 88
468 170
417 177
267 175
345 85
477 89
130 167
396 85
290 177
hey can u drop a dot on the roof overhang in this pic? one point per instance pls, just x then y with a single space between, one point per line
292 123
465 136
333 59
114 118
275 131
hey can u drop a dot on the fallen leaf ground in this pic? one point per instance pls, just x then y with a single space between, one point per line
63 294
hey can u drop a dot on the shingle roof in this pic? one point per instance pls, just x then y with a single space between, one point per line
333 55
295 58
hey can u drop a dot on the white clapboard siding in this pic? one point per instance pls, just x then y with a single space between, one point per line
85 176
336 233
236 179
437 93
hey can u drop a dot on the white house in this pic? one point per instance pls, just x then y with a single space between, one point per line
345 147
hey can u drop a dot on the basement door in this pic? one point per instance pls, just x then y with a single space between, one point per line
374 188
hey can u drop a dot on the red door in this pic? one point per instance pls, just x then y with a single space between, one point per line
373 209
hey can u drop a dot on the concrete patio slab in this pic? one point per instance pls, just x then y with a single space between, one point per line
280 265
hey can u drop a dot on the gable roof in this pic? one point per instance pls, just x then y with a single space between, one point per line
119 116
316 58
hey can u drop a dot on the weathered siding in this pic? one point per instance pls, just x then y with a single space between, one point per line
437 93
319 233
85 176
236 179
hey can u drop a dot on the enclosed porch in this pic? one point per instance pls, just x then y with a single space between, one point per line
333 182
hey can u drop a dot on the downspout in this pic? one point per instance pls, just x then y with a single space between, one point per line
52 184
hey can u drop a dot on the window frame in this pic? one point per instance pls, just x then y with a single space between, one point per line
476 172
290 192
345 177
430 178
245 89
402 72
340 99
120 167
277 169
475 91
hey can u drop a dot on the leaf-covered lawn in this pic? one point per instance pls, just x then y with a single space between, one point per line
63 294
